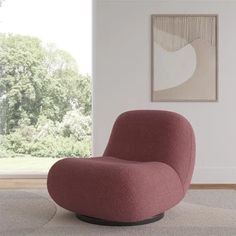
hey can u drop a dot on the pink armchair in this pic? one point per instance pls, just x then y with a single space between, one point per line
145 170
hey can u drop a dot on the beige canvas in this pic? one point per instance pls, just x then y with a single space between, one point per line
184 58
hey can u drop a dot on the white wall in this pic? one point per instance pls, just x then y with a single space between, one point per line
121 73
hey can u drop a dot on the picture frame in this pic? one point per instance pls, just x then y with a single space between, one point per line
184 51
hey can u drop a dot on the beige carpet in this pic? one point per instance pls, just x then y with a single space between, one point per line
202 212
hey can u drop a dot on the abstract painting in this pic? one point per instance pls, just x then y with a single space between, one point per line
184 58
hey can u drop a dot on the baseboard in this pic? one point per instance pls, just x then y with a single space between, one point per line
214 175
202 175
22 183
23 176
213 186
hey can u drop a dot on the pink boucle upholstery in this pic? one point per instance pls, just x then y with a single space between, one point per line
146 169
154 136
107 183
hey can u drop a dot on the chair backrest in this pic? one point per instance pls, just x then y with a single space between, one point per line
150 135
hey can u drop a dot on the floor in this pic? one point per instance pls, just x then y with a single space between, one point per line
200 213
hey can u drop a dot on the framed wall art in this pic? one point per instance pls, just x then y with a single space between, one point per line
184 58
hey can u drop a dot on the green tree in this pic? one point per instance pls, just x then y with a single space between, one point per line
38 80
73 89
22 76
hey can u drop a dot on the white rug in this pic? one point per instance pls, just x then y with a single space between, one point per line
202 212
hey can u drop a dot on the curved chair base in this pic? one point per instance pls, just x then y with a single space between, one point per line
98 221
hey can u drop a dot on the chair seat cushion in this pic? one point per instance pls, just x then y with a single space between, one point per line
114 189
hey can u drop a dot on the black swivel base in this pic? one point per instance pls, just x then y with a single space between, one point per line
97 221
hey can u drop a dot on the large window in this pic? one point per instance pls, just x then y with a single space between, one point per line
45 84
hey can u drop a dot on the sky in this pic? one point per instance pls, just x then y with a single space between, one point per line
66 23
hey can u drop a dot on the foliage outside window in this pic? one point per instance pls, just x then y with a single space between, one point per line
45 103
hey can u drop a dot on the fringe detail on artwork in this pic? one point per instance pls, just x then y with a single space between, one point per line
175 32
